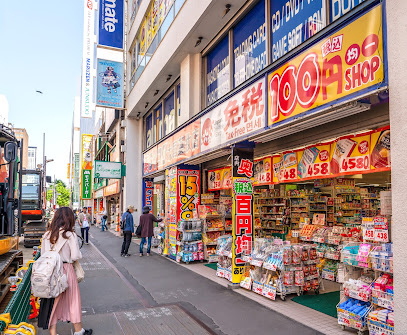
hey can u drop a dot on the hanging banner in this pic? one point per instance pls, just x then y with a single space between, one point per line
350 154
289 167
172 214
142 39
289 29
109 91
380 157
148 191
111 22
242 210
347 62
314 161
154 16
86 149
263 174
220 179
87 105
86 184
188 194
237 117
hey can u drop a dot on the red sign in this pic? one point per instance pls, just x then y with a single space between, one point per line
188 194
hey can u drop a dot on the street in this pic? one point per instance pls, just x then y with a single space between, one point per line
153 295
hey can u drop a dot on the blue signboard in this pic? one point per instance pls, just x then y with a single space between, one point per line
218 71
109 91
111 23
293 22
341 7
249 44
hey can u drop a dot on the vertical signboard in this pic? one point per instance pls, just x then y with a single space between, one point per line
218 72
172 226
87 60
86 166
148 191
242 210
111 23
188 193
109 89
86 184
249 44
293 22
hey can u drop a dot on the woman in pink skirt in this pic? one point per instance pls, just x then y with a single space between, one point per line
67 306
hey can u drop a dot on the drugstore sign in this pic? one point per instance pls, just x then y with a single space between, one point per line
346 62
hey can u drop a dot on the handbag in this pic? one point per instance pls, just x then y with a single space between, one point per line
80 274
138 230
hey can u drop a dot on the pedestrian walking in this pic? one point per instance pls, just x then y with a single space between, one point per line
128 230
147 230
84 221
66 307
103 219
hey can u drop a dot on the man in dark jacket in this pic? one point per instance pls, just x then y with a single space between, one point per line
146 222
128 231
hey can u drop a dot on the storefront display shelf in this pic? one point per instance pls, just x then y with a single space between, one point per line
189 231
379 328
352 320
383 299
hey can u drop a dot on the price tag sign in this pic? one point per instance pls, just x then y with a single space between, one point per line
381 235
288 174
318 170
368 234
353 164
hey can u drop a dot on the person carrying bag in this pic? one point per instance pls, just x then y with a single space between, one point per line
60 247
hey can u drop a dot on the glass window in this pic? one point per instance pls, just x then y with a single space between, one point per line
218 71
288 27
169 113
149 130
249 44
158 123
179 100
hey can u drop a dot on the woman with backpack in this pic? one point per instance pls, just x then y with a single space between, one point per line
67 306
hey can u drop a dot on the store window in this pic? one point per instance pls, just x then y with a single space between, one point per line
339 8
218 71
149 130
169 113
249 44
179 101
158 123
288 27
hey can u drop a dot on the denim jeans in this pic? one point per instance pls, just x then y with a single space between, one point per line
83 231
104 224
143 240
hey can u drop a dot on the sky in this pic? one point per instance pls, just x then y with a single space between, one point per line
41 49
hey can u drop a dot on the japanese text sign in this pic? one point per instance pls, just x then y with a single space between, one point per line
242 210
86 160
148 188
348 61
237 117
86 184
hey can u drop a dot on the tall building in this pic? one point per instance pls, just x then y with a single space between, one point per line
21 134
32 158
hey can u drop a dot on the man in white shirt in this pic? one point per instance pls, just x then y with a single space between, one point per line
84 221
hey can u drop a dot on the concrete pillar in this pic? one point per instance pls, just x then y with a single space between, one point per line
134 164
397 60
190 87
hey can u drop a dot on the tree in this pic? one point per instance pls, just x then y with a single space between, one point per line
63 193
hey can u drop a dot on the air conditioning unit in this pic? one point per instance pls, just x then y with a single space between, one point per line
123 124
123 148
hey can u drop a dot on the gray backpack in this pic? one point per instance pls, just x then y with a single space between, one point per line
48 279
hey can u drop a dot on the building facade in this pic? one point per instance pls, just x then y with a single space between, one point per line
293 95
21 134
32 158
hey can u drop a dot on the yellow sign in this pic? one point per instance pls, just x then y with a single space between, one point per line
346 62
69 170
86 150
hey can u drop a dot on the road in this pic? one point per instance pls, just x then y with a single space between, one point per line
153 295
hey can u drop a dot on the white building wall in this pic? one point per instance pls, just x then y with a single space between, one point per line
397 55
190 81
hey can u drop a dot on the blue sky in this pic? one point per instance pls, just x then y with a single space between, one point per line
41 49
